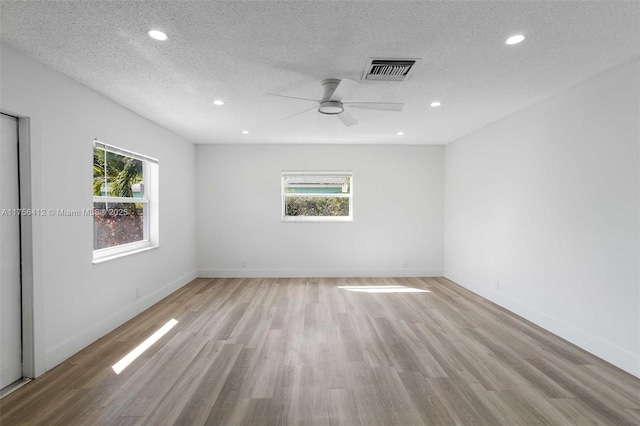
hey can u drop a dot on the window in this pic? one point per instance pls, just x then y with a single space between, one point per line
317 196
124 201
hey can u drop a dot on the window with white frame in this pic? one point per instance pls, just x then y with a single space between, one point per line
317 196
124 201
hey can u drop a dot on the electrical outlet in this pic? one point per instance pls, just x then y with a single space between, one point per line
137 292
496 285
244 263
405 264
426 261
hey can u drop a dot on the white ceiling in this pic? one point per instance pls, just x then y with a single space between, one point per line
239 50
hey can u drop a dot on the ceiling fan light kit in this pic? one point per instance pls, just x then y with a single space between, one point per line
330 107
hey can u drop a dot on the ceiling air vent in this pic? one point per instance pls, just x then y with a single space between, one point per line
389 69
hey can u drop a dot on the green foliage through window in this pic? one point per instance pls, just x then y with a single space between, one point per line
316 206
122 173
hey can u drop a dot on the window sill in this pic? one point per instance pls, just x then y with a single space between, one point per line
316 219
107 258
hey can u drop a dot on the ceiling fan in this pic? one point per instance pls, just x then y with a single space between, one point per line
332 101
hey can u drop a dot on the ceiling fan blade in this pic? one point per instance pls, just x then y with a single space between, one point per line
292 97
382 106
299 113
347 119
344 87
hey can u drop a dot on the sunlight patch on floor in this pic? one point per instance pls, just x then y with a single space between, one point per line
382 289
139 350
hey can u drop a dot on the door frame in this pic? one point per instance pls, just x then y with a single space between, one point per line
26 246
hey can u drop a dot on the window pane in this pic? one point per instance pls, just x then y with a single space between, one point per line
116 175
98 171
117 223
317 184
316 206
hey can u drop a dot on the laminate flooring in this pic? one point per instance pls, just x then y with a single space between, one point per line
339 351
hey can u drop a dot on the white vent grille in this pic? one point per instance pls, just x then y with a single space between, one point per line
389 69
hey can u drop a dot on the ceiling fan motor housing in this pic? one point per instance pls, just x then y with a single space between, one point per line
328 106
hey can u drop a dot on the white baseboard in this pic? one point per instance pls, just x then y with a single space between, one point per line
609 352
83 339
319 273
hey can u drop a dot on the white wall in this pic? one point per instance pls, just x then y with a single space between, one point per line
397 204
547 203
77 302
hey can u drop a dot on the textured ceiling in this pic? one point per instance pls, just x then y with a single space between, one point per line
239 50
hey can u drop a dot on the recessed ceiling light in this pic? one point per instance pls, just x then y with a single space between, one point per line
218 102
245 132
400 133
515 39
436 104
158 35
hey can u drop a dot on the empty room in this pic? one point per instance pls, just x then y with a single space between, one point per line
320 212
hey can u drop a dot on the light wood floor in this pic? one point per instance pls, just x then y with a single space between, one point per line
304 351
